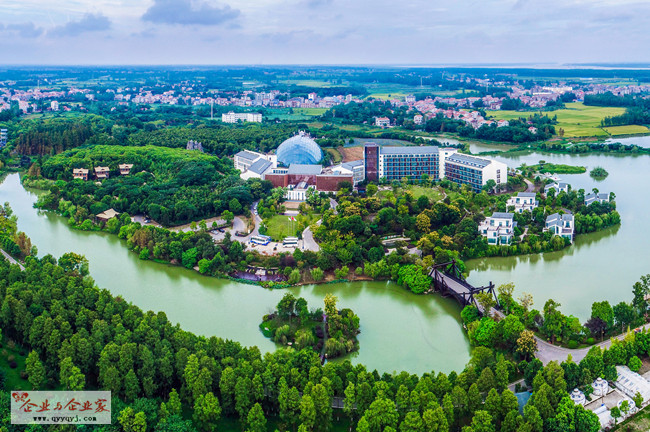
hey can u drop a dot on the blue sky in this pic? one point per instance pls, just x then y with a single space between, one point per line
322 31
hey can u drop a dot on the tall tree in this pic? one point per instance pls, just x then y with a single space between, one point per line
35 370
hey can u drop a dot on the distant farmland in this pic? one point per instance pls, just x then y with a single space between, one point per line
577 120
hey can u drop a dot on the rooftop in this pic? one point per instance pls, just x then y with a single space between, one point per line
393 150
469 160
259 166
352 164
526 194
305 169
501 215
247 155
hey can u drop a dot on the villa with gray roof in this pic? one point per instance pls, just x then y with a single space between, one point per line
498 229
559 187
524 201
601 198
561 225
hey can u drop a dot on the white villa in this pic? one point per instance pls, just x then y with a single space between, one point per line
600 198
523 201
498 228
559 187
561 225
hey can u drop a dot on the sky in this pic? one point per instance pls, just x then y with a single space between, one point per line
267 32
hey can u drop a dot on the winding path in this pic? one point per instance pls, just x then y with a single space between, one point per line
11 259
547 352
530 187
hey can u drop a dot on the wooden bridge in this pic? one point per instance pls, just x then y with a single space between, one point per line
449 281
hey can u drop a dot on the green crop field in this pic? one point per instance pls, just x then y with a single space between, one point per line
626 130
297 114
577 119
309 83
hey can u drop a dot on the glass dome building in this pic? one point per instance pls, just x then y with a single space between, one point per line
299 149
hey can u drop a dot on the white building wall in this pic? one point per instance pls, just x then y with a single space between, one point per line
443 154
491 170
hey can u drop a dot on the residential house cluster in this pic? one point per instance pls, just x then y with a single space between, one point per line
101 172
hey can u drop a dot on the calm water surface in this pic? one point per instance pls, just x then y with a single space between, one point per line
399 330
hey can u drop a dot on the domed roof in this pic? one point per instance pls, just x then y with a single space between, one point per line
300 149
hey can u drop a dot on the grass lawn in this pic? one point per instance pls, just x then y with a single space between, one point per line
577 120
279 226
433 194
626 130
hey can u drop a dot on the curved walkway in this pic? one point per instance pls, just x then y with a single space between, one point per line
547 352
530 187
12 260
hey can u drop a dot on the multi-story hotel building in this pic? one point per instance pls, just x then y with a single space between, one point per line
474 171
395 163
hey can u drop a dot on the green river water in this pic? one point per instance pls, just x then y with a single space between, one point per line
399 330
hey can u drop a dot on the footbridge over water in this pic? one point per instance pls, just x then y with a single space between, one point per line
449 281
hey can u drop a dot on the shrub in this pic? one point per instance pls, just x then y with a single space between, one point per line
317 274
294 277
591 341
572 344
358 271
11 358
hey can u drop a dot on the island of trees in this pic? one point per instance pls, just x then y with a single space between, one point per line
598 173
331 332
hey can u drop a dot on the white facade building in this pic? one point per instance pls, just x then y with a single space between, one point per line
560 225
253 164
498 228
382 121
298 192
559 187
233 117
474 171
523 201
356 168
54 105
601 198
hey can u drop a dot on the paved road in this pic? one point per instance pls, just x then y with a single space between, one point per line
333 205
11 259
308 240
530 187
547 352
